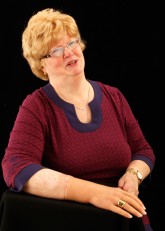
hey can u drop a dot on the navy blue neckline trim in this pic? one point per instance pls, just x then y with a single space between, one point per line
95 106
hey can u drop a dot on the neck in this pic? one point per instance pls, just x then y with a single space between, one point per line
83 108
76 93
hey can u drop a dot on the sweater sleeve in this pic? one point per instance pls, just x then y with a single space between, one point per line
140 148
26 144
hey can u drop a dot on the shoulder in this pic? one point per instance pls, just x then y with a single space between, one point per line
112 91
114 95
35 99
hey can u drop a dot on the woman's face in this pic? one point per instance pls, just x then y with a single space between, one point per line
65 59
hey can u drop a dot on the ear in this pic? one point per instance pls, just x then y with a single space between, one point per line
44 71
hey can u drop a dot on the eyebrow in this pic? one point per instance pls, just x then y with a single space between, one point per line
58 46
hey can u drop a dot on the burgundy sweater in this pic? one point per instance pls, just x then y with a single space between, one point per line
47 133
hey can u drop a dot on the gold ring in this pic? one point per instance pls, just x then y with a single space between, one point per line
121 203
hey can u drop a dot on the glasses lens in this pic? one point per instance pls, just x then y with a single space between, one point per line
57 52
72 44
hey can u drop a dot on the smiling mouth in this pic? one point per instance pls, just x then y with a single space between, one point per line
72 62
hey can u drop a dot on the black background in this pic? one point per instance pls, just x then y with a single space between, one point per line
123 49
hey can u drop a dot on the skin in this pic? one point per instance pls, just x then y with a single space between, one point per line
66 75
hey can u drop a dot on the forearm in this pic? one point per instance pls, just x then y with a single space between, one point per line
81 190
52 184
47 183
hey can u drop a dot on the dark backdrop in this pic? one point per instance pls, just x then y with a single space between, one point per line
123 50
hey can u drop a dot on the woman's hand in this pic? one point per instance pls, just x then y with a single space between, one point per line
118 201
129 183
114 199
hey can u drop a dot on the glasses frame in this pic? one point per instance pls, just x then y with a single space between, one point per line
62 48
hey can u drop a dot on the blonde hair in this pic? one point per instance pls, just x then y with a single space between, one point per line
45 28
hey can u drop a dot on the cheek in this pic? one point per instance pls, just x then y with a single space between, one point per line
54 64
82 59
57 61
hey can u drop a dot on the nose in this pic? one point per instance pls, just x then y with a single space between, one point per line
67 52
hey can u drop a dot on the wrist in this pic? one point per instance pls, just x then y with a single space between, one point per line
79 190
136 173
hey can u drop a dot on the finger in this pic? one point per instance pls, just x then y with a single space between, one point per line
134 205
133 208
131 197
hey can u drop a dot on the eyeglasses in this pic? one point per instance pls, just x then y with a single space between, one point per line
59 51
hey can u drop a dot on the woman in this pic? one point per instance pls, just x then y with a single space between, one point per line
74 139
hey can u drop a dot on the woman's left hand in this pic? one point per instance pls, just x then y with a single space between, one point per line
129 183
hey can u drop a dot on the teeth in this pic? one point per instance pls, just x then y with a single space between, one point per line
72 62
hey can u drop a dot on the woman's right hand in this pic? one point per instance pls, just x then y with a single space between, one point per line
114 199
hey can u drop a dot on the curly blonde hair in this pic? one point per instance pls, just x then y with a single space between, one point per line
45 28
